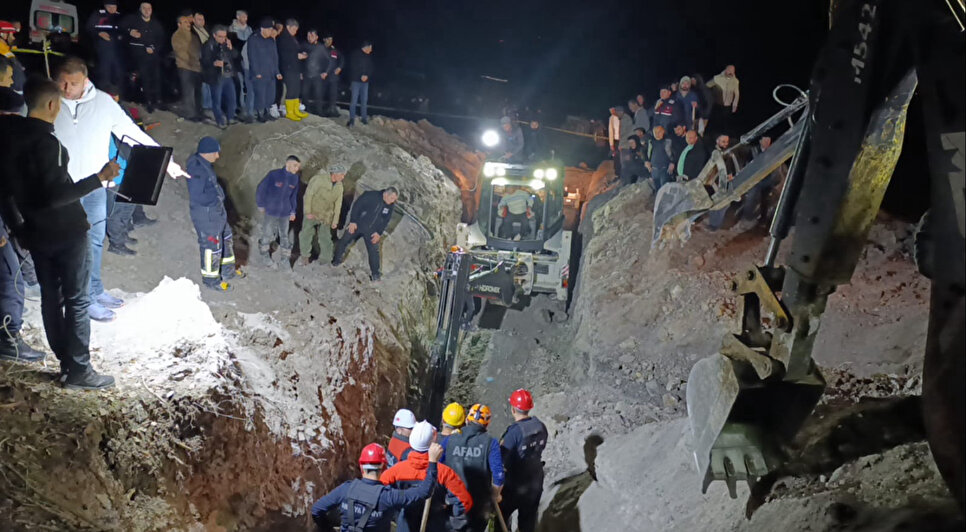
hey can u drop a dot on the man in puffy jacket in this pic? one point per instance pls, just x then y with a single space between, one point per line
322 207
84 126
210 218
413 470
263 68
277 199
368 220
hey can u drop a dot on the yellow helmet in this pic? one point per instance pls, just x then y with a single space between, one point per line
454 415
479 414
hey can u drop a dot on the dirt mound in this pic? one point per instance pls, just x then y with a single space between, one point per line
233 411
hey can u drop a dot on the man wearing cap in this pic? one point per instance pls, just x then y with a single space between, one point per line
368 220
476 458
277 199
210 218
104 28
522 445
262 55
403 423
322 206
413 470
366 504
8 36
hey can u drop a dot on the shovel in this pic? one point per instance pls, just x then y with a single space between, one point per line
499 516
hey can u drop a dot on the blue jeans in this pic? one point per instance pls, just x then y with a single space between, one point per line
223 100
95 204
11 286
205 96
360 94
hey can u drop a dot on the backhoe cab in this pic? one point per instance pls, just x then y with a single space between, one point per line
517 244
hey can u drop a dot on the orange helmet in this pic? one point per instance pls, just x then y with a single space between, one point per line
479 414
521 400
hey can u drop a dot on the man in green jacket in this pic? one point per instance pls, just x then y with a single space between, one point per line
322 208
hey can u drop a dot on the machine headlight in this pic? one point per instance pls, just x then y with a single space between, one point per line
489 170
501 170
491 138
551 173
536 184
538 173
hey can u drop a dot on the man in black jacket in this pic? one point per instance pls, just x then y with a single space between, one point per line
290 58
331 74
146 38
316 63
368 219
104 27
42 204
217 68
360 70
692 158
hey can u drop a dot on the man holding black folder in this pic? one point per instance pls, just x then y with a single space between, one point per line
84 126
41 203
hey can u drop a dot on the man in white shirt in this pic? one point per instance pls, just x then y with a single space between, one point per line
84 126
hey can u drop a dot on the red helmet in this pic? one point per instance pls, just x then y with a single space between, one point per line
6 27
372 454
521 400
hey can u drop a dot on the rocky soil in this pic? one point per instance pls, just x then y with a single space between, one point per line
233 411
610 386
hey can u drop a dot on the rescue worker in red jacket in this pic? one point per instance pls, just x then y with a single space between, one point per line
522 445
399 448
413 469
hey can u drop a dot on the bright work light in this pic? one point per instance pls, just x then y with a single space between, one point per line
551 174
491 138
538 173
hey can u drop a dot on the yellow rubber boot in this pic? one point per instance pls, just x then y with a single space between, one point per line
291 110
298 109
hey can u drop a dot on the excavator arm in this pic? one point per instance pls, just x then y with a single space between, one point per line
749 400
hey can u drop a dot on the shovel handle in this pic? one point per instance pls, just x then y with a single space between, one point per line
499 516
425 521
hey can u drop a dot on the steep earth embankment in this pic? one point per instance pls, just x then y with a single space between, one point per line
233 411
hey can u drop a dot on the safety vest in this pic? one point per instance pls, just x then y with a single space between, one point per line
529 455
468 453
360 508
399 449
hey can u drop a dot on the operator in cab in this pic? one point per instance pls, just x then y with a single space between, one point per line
515 211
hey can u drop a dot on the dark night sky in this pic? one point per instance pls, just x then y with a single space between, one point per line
565 56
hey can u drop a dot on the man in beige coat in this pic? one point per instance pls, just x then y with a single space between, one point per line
322 208
187 56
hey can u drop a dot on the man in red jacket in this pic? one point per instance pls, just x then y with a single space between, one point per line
413 470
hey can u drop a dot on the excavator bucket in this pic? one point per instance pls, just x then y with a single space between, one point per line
739 420
675 208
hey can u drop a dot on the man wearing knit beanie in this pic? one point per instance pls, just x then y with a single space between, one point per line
413 469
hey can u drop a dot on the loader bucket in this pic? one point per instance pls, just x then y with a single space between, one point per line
739 422
675 207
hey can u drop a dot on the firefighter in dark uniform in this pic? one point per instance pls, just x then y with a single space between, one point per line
476 458
104 27
522 445
210 218
365 503
330 78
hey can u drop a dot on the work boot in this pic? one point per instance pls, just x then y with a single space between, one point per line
222 286
300 109
291 110
98 312
120 249
376 277
109 301
88 380
128 239
16 350
144 222
350 123
365 121
262 118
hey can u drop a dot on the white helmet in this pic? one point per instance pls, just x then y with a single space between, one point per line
404 418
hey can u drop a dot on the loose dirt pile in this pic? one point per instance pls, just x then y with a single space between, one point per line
233 411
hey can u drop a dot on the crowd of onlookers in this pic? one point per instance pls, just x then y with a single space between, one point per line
232 71
673 138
